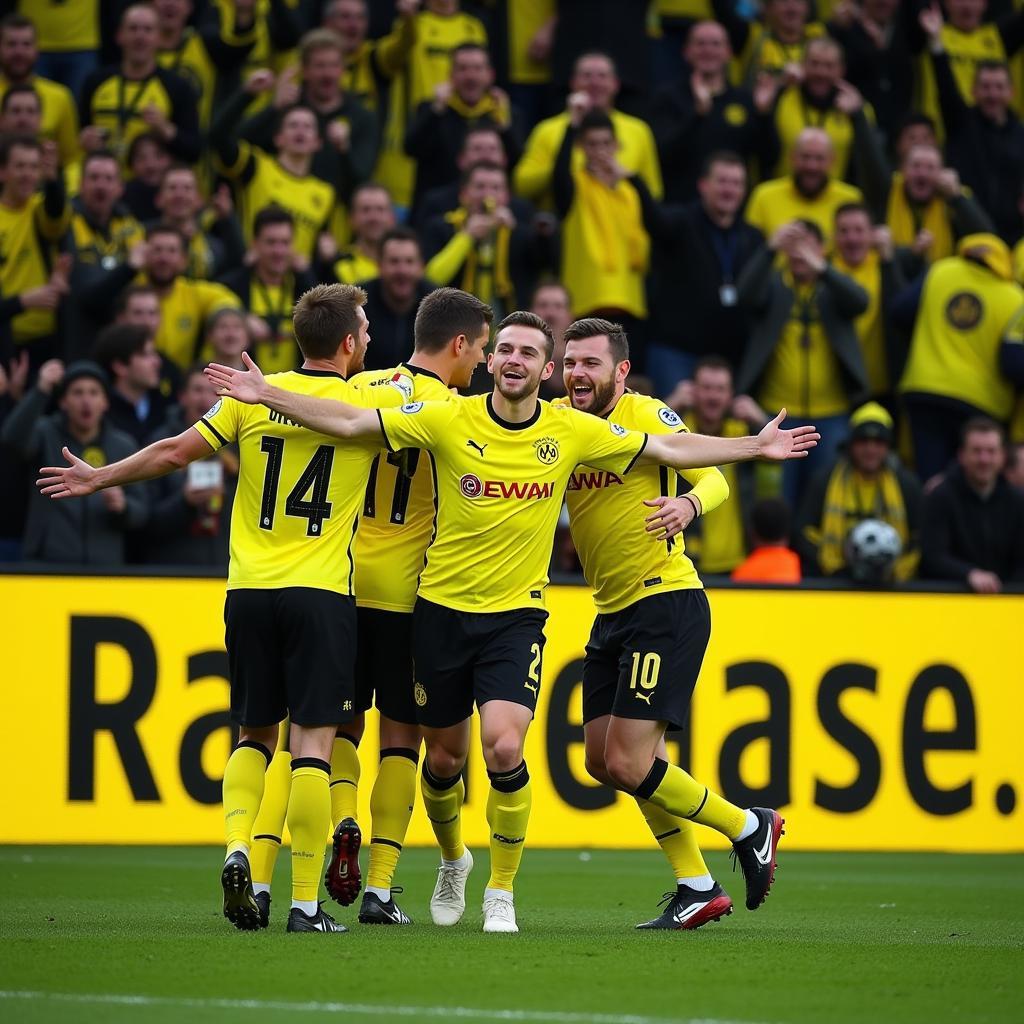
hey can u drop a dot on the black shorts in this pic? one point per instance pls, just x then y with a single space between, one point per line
643 661
462 657
291 652
384 664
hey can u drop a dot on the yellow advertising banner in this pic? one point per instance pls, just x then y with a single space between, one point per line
872 721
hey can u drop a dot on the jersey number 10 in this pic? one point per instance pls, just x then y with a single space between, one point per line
315 480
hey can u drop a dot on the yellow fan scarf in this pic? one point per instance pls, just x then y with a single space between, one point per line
503 286
905 220
841 504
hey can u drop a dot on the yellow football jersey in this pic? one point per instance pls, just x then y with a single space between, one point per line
499 493
607 515
777 202
299 495
398 513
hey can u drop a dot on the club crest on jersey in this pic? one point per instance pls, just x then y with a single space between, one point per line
471 485
215 408
403 384
669 416
617 430
547 450
419 695
411 407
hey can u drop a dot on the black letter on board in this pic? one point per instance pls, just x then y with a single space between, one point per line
87 716
851 737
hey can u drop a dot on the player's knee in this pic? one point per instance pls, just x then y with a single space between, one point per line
624 770
503 752
443 763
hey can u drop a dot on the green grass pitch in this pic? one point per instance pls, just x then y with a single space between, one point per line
135 934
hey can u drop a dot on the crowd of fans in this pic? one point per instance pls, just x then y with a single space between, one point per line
809 205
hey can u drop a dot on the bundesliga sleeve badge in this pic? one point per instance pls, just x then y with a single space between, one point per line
404 384
669 417
411 407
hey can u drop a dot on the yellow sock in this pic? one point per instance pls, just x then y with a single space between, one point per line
309 819
677 839
243 788
391 803
442 799
508 813
344 778
269 824
668 786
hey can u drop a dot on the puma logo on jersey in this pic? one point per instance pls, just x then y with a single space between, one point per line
531 687
479 447
644 697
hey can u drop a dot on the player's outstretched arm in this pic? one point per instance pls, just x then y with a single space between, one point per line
78 478
689 451
324 415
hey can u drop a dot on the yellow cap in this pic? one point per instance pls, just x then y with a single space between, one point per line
871 420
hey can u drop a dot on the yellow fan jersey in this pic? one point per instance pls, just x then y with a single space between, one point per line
183 314
299 493
62 26
777 202
499 493
28 239
607 515
262 181
398 513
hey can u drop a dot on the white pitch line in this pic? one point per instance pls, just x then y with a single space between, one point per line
368 1009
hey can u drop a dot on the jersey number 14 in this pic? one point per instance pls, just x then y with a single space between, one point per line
314 481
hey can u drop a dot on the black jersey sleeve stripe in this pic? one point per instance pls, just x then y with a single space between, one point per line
632 461
383 430
213 430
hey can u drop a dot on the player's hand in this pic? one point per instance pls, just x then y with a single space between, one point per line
248 386
51 373
671 516
778 445
983 582
75 480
